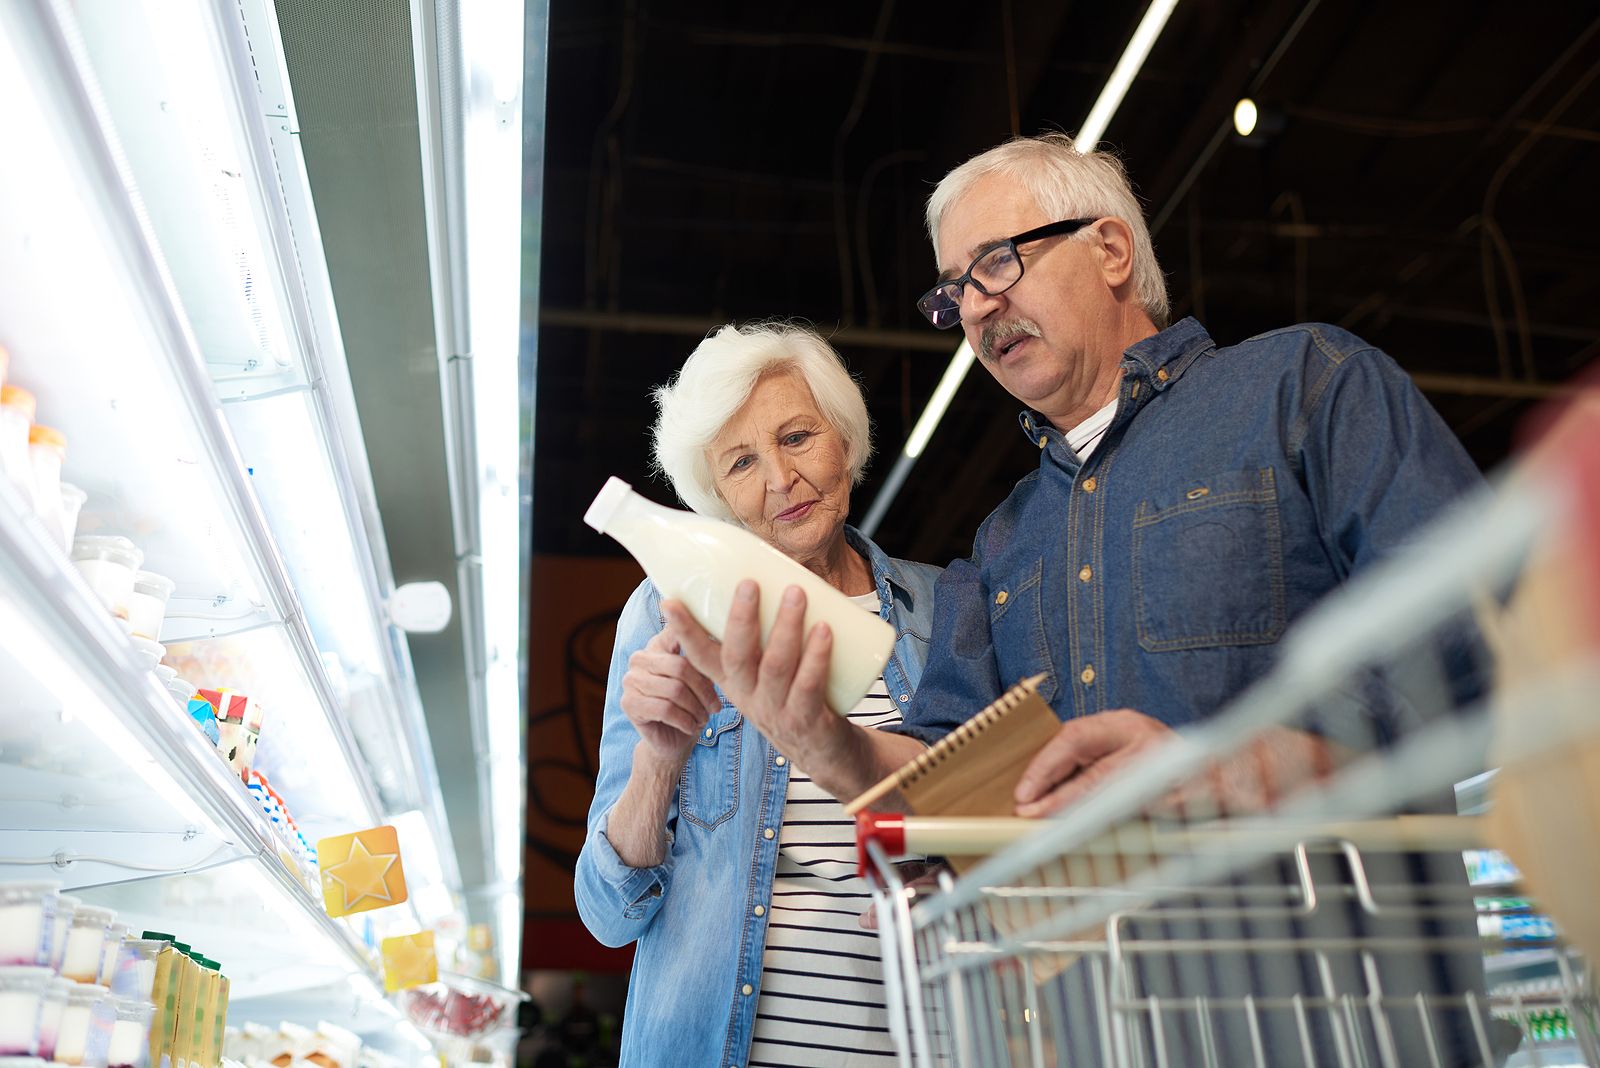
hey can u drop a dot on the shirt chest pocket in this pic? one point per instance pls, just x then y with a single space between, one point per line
1208 564
1017 628
708 792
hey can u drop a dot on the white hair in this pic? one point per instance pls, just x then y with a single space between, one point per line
1066 184
717 379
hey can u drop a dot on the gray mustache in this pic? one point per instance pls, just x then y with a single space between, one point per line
1007 329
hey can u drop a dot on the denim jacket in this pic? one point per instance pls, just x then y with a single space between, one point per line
699 917
1234 488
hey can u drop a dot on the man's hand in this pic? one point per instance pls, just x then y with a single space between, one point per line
666 699
1086 753
1082 756
782 690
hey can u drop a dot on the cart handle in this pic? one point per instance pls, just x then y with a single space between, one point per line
897 834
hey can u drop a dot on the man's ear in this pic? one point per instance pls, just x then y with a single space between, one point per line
1116 251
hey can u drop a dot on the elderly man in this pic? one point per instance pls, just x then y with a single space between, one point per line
1191 501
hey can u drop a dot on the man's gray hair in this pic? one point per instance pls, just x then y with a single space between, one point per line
717 379
1066 184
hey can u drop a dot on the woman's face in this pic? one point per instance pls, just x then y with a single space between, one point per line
781 468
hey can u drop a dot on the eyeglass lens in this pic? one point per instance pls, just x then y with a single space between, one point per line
994 272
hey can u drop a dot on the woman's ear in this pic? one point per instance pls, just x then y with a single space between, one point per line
1116 251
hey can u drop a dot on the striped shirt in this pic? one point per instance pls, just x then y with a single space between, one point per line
822 996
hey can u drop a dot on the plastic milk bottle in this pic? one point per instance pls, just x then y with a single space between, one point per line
699 561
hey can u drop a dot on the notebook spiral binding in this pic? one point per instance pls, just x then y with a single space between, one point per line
952 742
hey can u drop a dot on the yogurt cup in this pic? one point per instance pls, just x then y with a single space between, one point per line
150 652
47 451
108 563
181 690
27 911
135 973
60 923
21 1003
73 1040
86 940
147 605
72 499
55 1000
17 409
129 1046
108 954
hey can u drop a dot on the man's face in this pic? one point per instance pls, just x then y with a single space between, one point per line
1034 337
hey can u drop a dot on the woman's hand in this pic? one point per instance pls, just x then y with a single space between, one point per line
666 699
780 689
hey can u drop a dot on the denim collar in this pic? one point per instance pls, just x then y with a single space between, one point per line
884 569
1170 351
1159 360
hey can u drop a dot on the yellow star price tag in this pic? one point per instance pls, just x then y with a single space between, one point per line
408 961
361 871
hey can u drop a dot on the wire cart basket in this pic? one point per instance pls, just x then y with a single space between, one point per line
1422 897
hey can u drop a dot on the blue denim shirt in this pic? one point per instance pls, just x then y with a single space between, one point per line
1234 488
700 917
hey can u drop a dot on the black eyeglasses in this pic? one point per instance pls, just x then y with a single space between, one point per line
995 270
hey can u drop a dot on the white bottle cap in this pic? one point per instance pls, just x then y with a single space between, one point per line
606 503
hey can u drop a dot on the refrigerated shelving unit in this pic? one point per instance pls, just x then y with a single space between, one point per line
164 295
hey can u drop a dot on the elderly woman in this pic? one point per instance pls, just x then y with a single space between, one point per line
721 848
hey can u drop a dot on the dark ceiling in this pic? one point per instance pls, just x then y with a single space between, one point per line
1432 189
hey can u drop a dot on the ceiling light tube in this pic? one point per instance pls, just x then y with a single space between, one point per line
1122 75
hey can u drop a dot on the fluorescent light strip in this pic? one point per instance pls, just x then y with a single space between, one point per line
1105 107
960 364
1116 87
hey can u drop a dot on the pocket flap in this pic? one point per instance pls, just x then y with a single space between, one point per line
719 724
1209 491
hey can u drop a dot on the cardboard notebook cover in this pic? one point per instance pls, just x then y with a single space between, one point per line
974 770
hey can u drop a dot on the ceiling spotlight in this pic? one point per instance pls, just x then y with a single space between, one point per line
1244 117
1256 124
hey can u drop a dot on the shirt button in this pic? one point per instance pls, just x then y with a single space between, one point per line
1088 484
904 698
1000 598
1043 441
780 762
767 833
1087 675
747 990
761 910
708 732
1085 573
1162 374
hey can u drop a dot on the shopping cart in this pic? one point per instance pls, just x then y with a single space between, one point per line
1201 911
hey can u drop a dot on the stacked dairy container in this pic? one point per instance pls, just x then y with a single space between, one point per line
78 988
31 456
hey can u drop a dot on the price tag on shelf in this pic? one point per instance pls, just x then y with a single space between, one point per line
361 871
408 961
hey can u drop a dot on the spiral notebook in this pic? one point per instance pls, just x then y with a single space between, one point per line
974 770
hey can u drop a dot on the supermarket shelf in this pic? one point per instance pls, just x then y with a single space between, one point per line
199 103
107 785
1521 960
146 438
1548 1055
